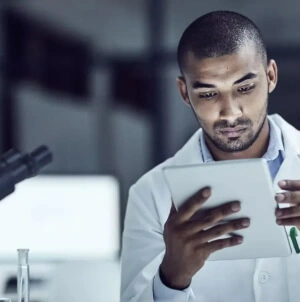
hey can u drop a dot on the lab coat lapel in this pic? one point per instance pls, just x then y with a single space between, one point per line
191 152
290 168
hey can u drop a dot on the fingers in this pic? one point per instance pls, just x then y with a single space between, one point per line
213 216
288 212
222 229
189 208
288 197
289 216
291 185
220 244
289 221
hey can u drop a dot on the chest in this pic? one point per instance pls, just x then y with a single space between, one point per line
255 280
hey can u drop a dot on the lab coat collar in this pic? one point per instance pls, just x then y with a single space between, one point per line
191 151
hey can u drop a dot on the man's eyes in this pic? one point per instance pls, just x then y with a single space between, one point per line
211 95
246 89
207 95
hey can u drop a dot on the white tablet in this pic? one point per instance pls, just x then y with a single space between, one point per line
247 181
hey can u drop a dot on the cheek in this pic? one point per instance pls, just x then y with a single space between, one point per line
206 114
255 104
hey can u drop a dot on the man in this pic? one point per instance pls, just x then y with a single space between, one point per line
225 79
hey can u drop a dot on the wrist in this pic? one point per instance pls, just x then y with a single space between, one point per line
173 280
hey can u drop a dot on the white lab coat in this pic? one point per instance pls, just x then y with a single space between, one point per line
260 280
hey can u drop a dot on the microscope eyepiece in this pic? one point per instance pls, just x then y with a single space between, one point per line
40 157
16 166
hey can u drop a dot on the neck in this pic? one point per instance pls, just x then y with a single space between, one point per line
256 150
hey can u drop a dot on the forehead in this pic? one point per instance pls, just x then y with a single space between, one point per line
223 68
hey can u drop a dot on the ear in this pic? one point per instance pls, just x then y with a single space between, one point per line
183 90
272 75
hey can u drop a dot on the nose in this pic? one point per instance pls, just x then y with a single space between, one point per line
230 109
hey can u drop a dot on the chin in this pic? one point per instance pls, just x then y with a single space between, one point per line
231 145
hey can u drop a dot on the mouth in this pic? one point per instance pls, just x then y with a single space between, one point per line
233 132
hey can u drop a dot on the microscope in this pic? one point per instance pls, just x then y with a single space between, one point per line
14 168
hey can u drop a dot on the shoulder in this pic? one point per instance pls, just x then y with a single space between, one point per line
154 180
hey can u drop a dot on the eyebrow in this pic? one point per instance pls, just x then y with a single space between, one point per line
248 76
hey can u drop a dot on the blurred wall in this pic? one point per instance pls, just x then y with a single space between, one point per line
280 17
100 135
1 64
114 26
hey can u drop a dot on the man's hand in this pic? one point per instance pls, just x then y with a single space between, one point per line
291 215
189 242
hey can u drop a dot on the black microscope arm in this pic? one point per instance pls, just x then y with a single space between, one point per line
16 166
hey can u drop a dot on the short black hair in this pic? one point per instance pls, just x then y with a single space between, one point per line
219 33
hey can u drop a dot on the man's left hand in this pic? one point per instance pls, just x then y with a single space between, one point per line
289 216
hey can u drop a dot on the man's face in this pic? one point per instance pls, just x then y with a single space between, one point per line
229 96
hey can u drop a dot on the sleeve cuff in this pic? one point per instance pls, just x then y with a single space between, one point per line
164 293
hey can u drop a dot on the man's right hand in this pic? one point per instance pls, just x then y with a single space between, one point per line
189 242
